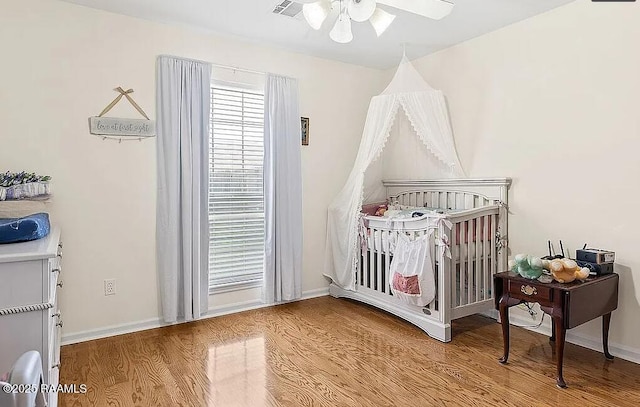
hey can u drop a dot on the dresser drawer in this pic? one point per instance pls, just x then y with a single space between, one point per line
19 333
530 291
21 284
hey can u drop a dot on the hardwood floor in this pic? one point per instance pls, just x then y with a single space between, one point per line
331 352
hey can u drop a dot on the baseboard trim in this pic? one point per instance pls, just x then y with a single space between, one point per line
589 342
112 330
220 310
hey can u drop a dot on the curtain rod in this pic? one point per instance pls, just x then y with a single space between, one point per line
233 68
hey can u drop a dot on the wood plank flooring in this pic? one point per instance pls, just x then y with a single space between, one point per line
333 352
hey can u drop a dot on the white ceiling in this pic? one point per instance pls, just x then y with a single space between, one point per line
253 20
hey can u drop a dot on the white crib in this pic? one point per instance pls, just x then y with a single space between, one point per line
465 256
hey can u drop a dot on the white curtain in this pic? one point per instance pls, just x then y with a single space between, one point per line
426 110
183 98
282 190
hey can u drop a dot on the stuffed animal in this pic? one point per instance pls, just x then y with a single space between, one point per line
565 270
526 265
381 210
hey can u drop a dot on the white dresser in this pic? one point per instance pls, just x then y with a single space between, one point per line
29 314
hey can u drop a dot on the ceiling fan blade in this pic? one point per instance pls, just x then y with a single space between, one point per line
434 9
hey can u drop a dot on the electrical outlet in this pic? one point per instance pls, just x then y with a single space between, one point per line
110 287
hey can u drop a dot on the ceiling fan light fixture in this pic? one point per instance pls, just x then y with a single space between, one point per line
316 13
341 31
381 20
361 10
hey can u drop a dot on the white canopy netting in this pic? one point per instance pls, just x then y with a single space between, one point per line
430 155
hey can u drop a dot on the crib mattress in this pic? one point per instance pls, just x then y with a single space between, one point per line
31 227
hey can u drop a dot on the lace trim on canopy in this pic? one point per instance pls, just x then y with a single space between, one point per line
423 137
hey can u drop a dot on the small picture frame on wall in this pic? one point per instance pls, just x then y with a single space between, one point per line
304 129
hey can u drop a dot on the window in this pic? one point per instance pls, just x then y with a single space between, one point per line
236 201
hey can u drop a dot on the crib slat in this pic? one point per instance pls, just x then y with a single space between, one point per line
494 257
455 255
445 275
365 274
359 269
478 262
365 250
372 253
470 265
378 285
468 201
485 260
387 264
432 252
462 268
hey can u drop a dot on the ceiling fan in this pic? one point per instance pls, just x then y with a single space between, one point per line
317 11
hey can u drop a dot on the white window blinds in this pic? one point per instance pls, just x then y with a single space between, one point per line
236 202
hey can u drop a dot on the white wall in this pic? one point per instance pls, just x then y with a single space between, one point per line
554 103
551 102
60 63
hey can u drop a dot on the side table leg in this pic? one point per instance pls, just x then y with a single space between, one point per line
606 319
560 336
553 333
504 321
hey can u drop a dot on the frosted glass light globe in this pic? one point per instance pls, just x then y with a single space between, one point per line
361 10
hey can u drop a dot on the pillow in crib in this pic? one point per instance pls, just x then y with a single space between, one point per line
370 209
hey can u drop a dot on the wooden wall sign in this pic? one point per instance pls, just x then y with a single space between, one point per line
113 126
122 127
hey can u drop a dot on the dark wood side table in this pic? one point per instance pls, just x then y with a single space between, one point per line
569 305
